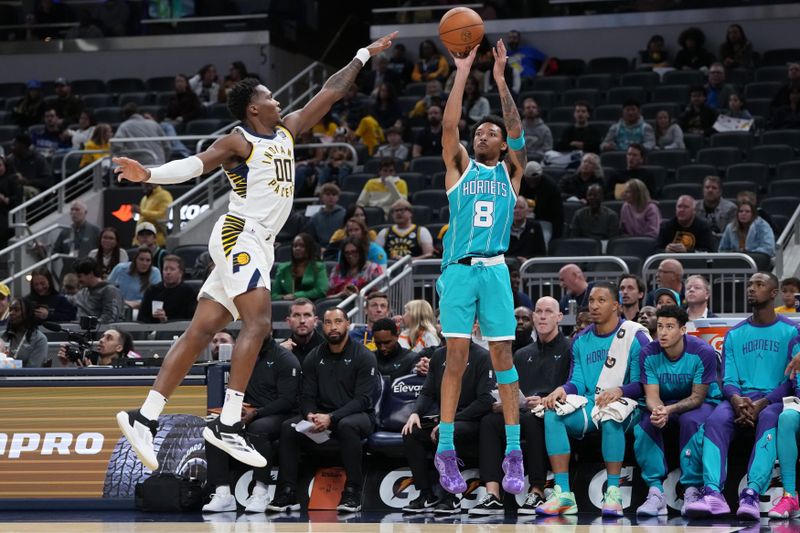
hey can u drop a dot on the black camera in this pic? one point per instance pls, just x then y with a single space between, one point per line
80 343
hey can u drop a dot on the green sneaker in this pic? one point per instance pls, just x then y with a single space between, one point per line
612 502
559 503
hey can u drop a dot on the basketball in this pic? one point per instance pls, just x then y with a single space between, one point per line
460 30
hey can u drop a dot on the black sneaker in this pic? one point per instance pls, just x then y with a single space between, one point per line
532 501
350 501
423 503
489 505
233 441
449 504
284 500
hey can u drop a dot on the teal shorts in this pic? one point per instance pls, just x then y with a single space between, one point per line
467 292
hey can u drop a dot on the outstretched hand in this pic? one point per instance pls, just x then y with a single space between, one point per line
464 61
130 170
381 44
500 60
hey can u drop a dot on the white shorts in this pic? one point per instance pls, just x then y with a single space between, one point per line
243 252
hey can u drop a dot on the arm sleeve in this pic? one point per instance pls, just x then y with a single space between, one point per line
649 137
278 289
63 311
707 373
442 70
730 381
547 139
364 388
176 171
652 221
288 383
425 236
726 242
787 387
765 239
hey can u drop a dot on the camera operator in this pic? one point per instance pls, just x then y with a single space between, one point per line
112 345
22 336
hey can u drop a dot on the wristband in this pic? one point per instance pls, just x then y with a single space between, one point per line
363 55
518 143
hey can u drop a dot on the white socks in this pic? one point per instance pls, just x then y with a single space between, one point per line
232 408
153 405
260 488
222 490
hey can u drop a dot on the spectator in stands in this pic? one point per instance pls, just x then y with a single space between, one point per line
748 233
86 28
302 322
525 59
781 98
108 252
96 297
667 297
434 95
377 308
23 339
543 197
698 117
669 135
371 80
737 108
69 284
272 393
404 237
353 271
634 159
788 116
647 318
5 295
352 211
789 288
631 292
428 142
356 229
630 129
399 64
386 109
717 91
10 197
521 299
384 190
85 129
639 215
153 208
698 293
45 301
685 232
112 345
394 149
54 137
654 54
183 106
333 397
50 15
223 336
527 236
590 172
136 125
668 275
714 209
750 196
737 50
32 167
306 163
595 221
67 105
79 239
574 287
580 135
304 276
338 165
205 85
538 137
692 55
475 106
523 333
393 357
431 65
350 109
135 277
420 326
420 431
323 223
236 73
29 110
100 140
146 236
172 299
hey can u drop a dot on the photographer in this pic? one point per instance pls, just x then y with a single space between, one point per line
23 339
112 345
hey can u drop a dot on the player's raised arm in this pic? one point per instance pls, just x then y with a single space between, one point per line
454 154
517 155
334 88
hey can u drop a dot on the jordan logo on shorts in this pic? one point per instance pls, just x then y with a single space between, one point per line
240 259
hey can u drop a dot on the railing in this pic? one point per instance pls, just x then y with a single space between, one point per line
219 18
727 275
539 275
16 279
14 252
791 233
396 281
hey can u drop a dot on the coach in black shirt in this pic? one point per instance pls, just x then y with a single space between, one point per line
339 380
302 322
393 360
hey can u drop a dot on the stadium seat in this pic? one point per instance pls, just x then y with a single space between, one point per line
674 190
416 89
93 101
219 111
781 205
139 99
667 208
641 247
397 405
562 113
728 295
126 85
742 140
771 154
732 187
611 112
784 188
649 111
719 157
788 170
570 96
694 173
189 253
683 77
761 89
557 84
572 67
771 73
780 56
789 137
5 116
647 80
557 129
281 310
160 84
619 95
435 199
283 253
659 176
407 103
415 181
755 172
694 143
669 159
616 159
204 126
671 93
575 247
545 99
375 215
601 82
427 165
437 181
163 98
108 114
355 182
12 90
740 76
609 65
7 133
422 214
88 86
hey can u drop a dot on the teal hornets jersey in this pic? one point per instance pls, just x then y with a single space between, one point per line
589 354
754 357
481 212
696 366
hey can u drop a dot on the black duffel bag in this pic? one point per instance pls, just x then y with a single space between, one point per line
169 493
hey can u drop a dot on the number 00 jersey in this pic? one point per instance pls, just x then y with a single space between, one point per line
263 185
481 212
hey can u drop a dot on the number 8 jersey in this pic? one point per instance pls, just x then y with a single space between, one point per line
481 212
263 185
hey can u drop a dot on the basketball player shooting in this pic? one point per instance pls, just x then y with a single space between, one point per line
475 281
258 158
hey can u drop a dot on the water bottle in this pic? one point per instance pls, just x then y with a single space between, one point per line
572 306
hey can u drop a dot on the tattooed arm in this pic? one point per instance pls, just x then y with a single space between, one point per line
332 91
516 159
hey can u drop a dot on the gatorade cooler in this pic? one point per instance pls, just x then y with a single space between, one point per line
713 330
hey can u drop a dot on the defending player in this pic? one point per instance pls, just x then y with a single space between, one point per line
258 158
679 375
475 281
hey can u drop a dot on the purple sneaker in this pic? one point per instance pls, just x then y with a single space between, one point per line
749 507
514 480
449 474
712 503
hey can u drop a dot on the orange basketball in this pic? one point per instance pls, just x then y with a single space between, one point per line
460 30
